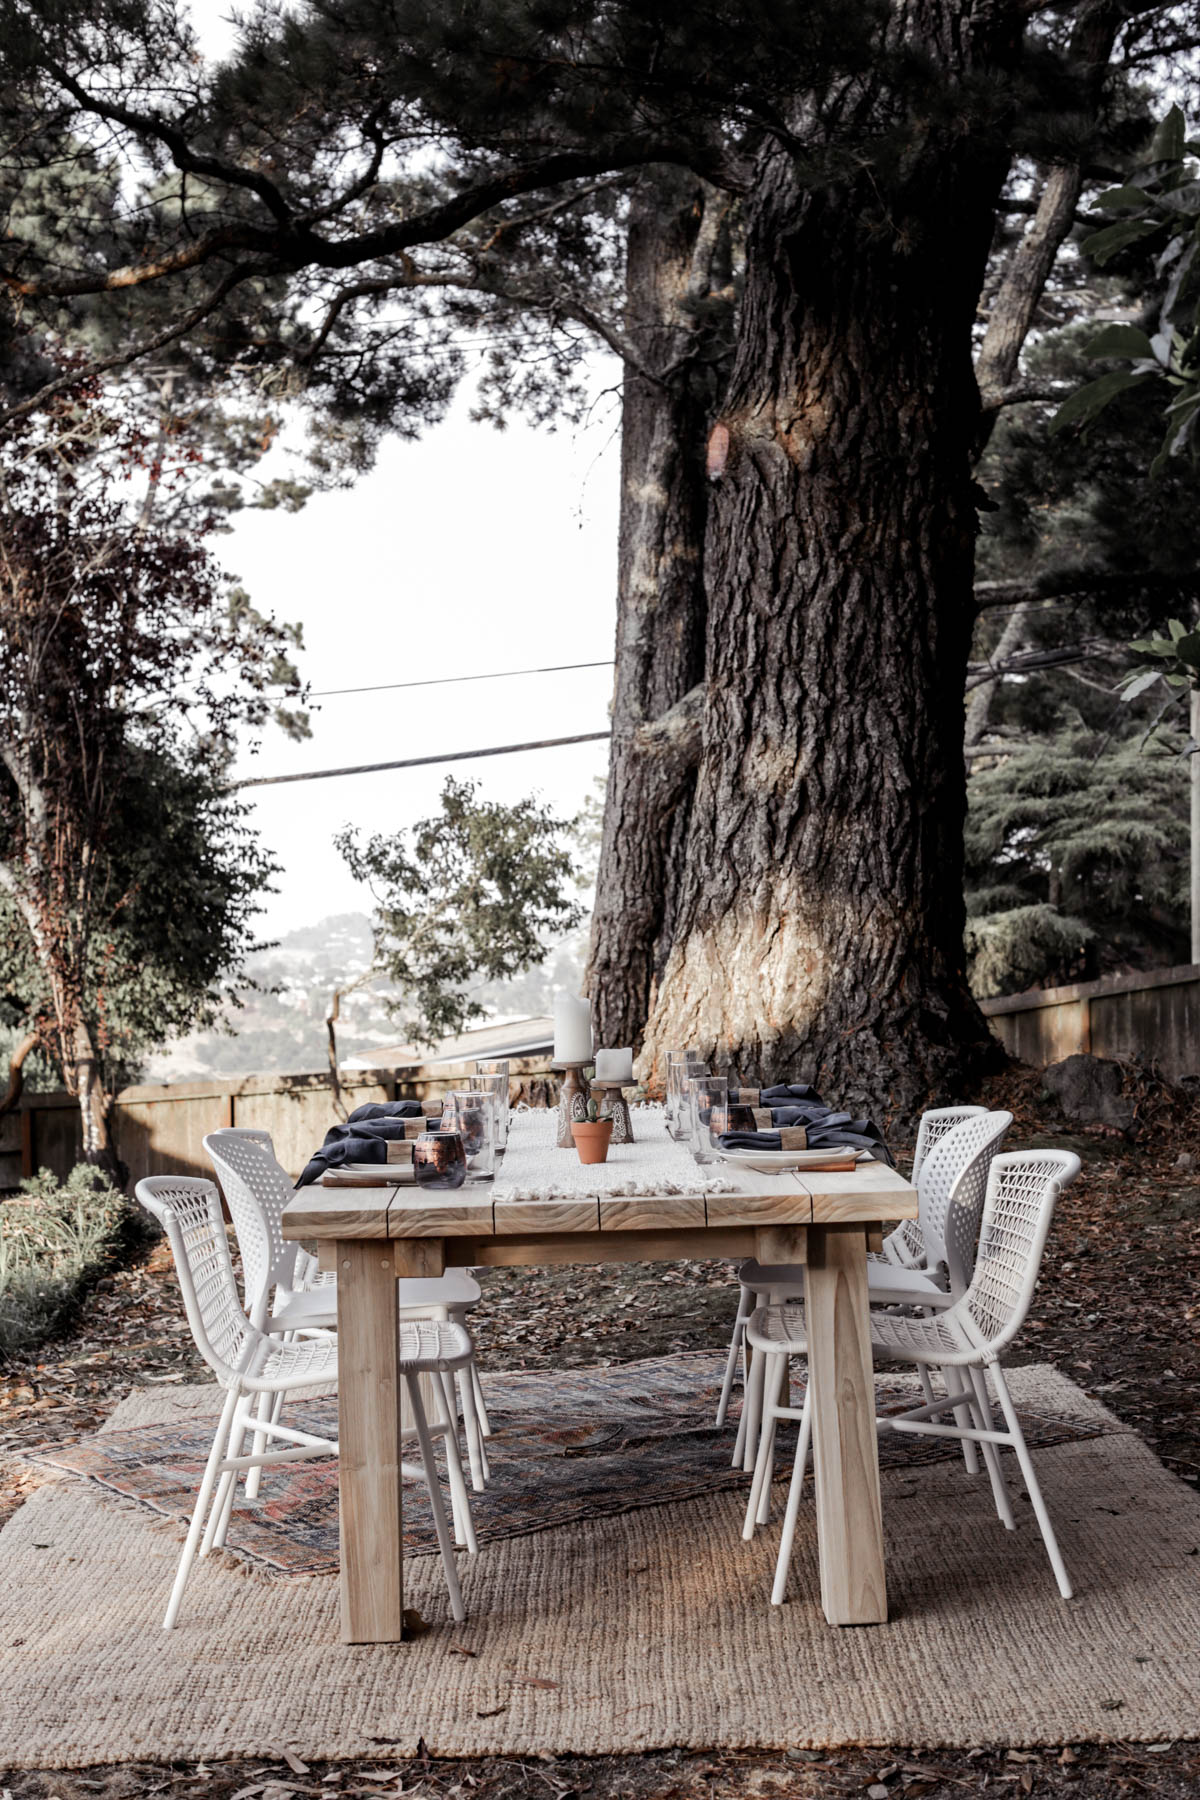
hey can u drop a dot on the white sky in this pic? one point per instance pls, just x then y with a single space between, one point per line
468 551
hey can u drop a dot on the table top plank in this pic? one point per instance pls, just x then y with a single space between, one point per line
517 1218
868 1193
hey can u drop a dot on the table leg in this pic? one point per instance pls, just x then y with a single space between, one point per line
845 1449
370 1501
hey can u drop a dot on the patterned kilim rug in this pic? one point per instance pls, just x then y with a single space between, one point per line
567 1445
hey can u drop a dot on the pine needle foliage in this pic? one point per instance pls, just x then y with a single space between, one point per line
1077 862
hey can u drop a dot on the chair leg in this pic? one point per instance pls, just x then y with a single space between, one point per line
745 1451
735 1345
781 1398
766 1445
475 1450
799 1468
254 1476
216 1457
435 1497
962 1418
222 1506
480 1403
1031 1482
464 1530
991 1455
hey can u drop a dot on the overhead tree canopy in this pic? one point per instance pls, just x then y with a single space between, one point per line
847 170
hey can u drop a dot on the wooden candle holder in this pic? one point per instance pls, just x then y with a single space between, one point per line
610 1097
572 1101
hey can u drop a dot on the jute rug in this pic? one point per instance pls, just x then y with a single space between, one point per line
568 1445
623 1632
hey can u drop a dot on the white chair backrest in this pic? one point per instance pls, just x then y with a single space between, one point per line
256 1191
189 1211
254 1134
933 1127
952 1190
1023 1189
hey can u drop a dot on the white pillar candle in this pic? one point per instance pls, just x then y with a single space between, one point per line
614 1065
572 1028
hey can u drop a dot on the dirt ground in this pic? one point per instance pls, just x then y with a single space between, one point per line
1117 1309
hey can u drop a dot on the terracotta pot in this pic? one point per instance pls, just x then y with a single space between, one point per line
592 1140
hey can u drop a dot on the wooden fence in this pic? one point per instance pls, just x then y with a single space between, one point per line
1154 1014
160 1130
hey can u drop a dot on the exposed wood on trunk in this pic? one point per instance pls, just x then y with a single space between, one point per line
16 1072
821 920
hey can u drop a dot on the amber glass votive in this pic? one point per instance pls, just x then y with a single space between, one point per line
439 1160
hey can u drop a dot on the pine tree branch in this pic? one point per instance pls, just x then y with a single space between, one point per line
1025 662
145 347
1092 583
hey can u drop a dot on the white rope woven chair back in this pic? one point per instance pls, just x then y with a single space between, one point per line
952 1190
906 1244
1023 1190
189 1211
256 1190
253 1134
933 1128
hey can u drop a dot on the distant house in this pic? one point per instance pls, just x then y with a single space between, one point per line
514 1037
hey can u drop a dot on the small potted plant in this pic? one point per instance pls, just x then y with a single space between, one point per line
592 1135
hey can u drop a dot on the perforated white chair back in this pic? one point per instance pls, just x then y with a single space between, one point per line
189 1211
933 1127
952 1190
256 1191
1023 1190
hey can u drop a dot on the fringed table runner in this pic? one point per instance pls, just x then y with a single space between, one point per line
534 1168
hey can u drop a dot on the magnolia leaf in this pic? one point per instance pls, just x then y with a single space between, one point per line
1102 246
1177 629
1091 399
1119 198
1143 646
1170 139
1177 681
1187 649
1140 683
1120 340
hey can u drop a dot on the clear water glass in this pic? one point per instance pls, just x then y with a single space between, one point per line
472 1113
702 1095
497 1087
680 1065
439 1160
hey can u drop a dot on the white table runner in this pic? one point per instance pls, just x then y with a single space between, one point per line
534 1168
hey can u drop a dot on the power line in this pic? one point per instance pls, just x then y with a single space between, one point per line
418 762
383 687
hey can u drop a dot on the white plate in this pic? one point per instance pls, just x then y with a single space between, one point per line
767 1160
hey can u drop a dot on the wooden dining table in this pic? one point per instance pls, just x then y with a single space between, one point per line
372 1230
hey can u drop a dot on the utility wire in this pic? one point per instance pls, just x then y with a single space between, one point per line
444 680
419 762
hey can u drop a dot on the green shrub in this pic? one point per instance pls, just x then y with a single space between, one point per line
55 1237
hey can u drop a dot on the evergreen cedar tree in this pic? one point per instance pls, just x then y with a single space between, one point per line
812 197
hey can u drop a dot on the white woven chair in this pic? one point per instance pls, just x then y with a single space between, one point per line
902 1248
1023 1190
256 1191
954 1156
249 1363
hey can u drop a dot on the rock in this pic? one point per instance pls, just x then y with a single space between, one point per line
1185 1161
1090 1091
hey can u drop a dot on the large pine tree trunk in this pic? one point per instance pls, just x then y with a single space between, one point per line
673 263
820 920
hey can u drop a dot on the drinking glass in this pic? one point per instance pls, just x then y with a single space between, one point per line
439 1160
496 1086
680 1064
472 1114
702 1094
729 1116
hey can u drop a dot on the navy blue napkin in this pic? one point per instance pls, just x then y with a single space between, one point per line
387 1109
360 1140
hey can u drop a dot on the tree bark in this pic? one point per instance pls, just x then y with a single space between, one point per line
678 315
821 915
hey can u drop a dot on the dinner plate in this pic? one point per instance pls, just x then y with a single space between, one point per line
767 1160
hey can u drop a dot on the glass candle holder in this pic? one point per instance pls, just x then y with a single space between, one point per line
439 1160
702 1094
471 1113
